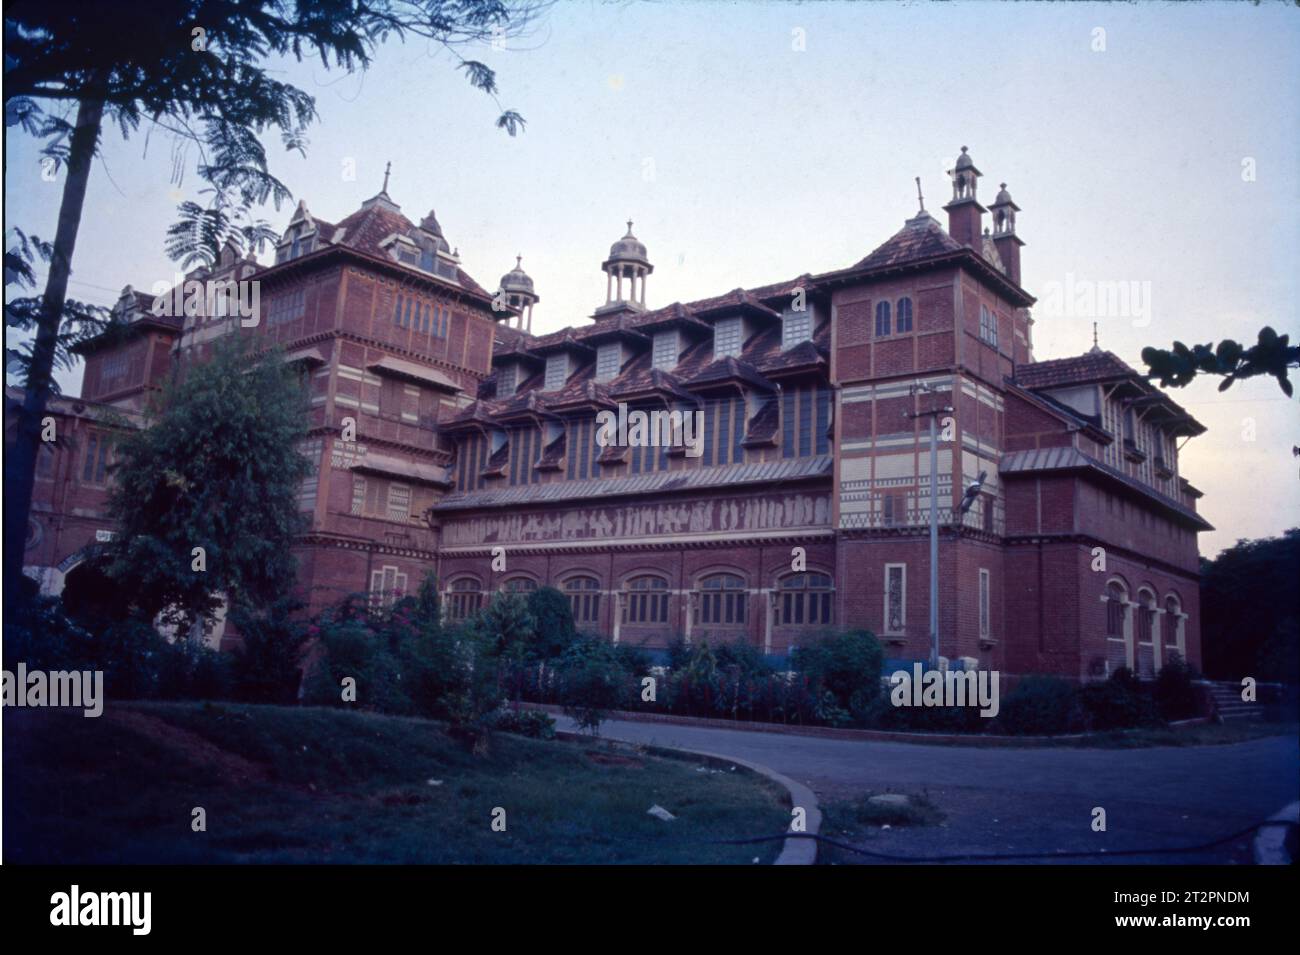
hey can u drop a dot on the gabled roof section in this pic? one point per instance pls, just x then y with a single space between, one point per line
922 237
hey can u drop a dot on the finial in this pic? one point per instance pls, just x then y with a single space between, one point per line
963 149
387 169
920 199
1003 186
1095 346
629 226
519 260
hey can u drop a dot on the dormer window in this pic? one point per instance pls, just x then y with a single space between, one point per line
666 350
727 338
507 380
557 371
796 327
609 361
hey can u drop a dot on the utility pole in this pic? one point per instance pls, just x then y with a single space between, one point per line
933 414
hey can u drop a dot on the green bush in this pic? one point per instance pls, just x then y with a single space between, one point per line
1041 705
532 723
592 681
553 628
847 665
1116 704
267 667
1175 692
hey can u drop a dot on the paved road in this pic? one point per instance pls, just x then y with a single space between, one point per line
1030 800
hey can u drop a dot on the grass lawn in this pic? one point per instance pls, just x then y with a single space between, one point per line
311 785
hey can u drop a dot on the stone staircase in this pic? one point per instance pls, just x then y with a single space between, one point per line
1228 704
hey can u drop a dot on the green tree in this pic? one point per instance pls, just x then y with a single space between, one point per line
1250 609
216 466
205 73
1272 354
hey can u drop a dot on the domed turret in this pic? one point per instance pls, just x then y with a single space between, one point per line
517 292
627 260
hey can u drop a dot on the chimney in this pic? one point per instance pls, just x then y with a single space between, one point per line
1004 233
965 214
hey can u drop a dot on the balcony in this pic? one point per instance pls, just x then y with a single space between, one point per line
1164 469
1132 452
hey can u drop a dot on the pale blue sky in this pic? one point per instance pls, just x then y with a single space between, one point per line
744 161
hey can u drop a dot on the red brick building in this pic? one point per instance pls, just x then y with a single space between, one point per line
801 501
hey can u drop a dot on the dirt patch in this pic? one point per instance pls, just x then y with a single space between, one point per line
231 767
615 759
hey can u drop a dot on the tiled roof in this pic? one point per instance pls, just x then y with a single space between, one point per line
1038 460
1090 367
920 238
732 475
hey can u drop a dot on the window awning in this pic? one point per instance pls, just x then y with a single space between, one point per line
409 370
311 357
419 471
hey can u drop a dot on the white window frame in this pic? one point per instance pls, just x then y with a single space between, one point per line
386 583
796 328
985 604
395 509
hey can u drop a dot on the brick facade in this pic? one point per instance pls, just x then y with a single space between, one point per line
450 440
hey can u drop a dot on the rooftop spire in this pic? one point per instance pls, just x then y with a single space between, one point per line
920 199
387 169
1095 346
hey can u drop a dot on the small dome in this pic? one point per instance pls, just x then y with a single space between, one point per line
964 161
517 280
1004 197
628 249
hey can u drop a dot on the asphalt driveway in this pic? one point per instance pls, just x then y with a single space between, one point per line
1003 800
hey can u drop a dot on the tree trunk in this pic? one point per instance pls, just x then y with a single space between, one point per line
20 462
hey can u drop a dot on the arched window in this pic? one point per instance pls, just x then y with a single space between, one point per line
584 598
519 585
804 600
1119 649
882 319
1173 635
1145 629
904 315
722 599
463 598
646 600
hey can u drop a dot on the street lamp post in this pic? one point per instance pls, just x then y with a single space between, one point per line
933 414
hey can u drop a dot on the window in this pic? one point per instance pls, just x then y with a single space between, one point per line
804 600
727 338
399 502
1117 627
557 372
463 598
796 327
584 598
893 509
507 380
882 319
358 494
426 258
986 504
519 585
665 350
895 598
984 603
95 468
609 361
311 450
904 315
988 326
398 305
113 368
1173 628
45 460
387 585
646 600
286 307
722 599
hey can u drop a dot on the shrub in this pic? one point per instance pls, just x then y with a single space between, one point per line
532 723
591 682
846 664
1040 705
1116 704
1174 692
267 666
553 628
